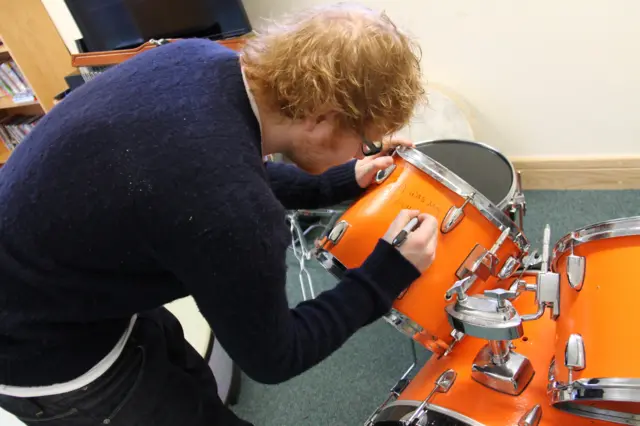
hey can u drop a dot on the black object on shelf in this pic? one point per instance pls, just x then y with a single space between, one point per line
124 24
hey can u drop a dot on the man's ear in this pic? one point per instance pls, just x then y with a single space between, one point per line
329 117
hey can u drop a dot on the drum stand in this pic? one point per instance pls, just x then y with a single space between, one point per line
299 240
398 388
517 207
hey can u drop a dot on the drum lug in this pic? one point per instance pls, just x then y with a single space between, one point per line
509 267
574 355
454 216
576 266
532 417
338 232
442 385
382 175
403 323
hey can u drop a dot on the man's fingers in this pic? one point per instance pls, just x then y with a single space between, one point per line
428 228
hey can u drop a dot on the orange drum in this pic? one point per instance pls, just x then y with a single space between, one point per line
596 370
476 238
469 403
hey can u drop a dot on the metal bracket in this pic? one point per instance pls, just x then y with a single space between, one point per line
499 368
480 262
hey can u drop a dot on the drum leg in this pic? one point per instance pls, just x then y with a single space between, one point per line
519 204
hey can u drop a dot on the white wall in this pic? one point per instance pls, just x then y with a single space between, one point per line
63 20
542 78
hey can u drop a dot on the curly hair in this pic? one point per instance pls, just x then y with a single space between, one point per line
343 58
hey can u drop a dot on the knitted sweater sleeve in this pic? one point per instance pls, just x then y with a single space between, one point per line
297 189
226 243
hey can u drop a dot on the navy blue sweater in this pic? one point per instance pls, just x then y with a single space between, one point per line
146 185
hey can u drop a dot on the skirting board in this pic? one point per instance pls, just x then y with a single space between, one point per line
608 173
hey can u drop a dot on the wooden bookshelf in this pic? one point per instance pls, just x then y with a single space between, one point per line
6 103
32 41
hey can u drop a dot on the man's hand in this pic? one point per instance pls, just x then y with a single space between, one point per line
420 246
367 168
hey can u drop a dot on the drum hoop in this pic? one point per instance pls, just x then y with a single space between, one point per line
461 187
514 180
431 407
622 227
610 389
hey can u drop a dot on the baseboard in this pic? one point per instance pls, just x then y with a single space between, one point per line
608 173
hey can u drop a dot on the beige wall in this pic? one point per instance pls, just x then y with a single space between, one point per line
541 78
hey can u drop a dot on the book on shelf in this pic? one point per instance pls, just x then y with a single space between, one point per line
14 128
13 83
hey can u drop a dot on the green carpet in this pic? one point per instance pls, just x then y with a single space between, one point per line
346 388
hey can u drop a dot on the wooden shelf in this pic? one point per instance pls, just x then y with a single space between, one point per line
6 102
3 49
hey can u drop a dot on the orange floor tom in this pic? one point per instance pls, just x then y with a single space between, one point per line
596 369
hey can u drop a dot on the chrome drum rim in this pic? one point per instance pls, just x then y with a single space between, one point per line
514 181
566 398
462 188
399 411
622 227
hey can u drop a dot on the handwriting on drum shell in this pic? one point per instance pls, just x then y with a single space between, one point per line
418 201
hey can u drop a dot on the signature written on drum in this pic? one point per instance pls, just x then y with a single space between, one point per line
416 200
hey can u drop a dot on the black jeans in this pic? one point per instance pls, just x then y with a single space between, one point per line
159 380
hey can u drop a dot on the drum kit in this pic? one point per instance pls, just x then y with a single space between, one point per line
518 337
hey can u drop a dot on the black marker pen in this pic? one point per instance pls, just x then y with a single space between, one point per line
402 235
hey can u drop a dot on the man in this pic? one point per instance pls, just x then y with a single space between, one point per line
147 184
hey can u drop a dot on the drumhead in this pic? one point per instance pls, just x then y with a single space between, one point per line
622 227
396 413
486 169
463 188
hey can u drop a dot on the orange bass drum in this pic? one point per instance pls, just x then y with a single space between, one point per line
475 238
466 402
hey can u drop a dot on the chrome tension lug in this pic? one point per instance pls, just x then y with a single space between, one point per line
442 385
574 355
454 216
531 417
509 267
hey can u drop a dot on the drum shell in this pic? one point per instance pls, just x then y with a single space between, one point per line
605 314
408 187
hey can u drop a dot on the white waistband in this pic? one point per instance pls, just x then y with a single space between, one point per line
79 382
